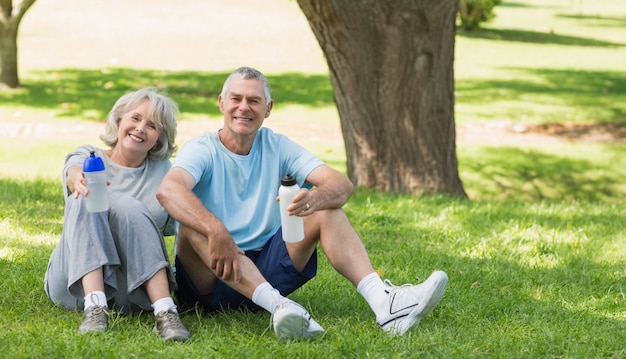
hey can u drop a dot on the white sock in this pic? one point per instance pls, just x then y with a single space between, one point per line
164 304
266 297
374 290
95 298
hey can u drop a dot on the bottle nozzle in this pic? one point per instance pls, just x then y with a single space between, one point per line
288 180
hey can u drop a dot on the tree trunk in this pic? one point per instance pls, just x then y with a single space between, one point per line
8 59
10 18
391 67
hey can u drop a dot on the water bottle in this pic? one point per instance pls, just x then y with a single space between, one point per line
293 226
97 199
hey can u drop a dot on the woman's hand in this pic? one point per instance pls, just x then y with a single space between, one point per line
76 182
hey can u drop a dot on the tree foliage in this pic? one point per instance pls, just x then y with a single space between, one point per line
474 12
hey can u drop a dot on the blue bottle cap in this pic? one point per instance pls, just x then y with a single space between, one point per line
93 163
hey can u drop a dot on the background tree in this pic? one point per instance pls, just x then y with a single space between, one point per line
10 18
391 67
474 12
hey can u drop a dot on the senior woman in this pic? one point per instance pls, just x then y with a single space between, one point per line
118 258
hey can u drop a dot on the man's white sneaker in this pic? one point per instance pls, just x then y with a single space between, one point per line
409 303
291 322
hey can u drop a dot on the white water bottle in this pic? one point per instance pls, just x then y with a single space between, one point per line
97 199
293 226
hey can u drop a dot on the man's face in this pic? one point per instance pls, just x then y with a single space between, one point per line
244 106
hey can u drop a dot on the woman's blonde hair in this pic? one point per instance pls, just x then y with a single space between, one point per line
163 111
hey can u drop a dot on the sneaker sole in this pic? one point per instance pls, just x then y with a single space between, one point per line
292 326
313 332
439 288
92 330
176 338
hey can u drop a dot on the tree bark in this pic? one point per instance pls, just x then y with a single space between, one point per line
391 67
10 18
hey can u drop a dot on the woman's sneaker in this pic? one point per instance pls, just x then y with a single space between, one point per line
409 303
96 320
169 326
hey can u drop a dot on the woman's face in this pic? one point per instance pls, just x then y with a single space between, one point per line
137 133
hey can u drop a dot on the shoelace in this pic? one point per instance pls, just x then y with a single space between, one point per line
95 315
286 302
393 286
171 320
398 288
98 308
96 301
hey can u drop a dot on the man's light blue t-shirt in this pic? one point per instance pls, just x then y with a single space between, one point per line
241 190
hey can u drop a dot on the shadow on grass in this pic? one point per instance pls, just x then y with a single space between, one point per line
488 295
502 278
505 296
589 92
535 37
511 173
596 20
90 94
513 4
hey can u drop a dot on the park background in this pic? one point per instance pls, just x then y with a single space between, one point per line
535 258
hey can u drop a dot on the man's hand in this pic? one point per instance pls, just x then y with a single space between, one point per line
224 257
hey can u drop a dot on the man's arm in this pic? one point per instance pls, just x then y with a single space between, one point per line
332 190
176 196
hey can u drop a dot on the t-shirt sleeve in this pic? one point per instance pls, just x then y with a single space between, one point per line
299 162
188 158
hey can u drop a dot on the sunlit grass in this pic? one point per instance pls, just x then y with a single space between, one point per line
537 278
536 257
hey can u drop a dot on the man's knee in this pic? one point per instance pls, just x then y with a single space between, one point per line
332 217
188 239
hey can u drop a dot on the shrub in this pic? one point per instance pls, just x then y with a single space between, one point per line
474 12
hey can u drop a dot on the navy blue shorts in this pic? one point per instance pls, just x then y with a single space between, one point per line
272 261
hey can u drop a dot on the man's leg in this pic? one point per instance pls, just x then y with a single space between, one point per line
340 242
397 309
192 250
290 320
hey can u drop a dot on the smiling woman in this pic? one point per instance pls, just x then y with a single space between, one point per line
118 256
142 123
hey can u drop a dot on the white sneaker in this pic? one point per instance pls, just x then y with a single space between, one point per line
409 303
292 321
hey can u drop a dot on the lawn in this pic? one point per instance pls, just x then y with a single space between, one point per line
536 259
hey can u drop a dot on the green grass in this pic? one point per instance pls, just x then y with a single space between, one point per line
88 94
543 62
527 279
536 258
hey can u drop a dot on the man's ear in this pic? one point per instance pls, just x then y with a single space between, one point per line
269 109
219 103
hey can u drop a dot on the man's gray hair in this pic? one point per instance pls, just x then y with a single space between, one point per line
249 73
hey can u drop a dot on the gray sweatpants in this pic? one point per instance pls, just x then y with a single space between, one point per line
124 241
